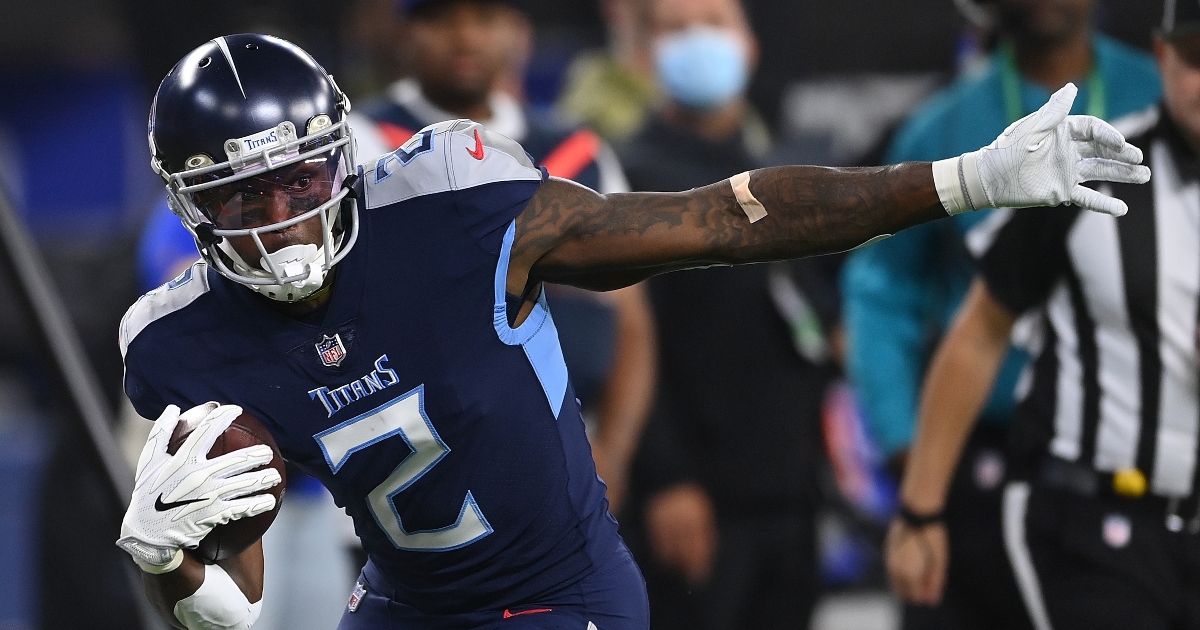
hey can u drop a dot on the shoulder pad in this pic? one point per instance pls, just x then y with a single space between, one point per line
163 301
450 155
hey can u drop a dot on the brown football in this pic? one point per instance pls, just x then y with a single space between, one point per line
236 536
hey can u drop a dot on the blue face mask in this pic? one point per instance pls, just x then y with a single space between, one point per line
701 67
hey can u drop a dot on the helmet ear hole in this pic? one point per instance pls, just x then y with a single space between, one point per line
198 161
317 123
204 62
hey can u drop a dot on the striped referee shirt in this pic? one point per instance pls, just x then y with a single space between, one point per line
1114 379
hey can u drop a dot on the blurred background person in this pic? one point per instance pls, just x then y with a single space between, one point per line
371 55
725 481
465 56
612 90
902 293
1101 517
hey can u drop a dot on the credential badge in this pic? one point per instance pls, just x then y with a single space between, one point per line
332 350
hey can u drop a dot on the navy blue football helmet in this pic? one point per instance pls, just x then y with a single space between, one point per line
244 116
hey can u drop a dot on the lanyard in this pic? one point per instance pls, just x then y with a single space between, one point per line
1096 105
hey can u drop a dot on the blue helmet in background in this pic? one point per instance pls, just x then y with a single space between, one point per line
240 111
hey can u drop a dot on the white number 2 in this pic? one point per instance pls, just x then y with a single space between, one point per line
404 417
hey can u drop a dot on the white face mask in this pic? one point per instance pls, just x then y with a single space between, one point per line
297 271
294 272
702 67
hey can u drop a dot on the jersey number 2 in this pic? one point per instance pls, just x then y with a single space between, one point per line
403 417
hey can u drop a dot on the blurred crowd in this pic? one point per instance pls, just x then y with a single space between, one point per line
751 423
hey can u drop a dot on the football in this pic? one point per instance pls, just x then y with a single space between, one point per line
236 536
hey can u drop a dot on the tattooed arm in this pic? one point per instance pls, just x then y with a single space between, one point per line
571 235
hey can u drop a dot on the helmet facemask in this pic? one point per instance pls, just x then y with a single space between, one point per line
231 199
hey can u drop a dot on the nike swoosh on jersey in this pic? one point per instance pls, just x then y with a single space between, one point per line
478 152
531 611
163 507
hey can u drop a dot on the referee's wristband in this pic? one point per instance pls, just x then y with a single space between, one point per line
917 521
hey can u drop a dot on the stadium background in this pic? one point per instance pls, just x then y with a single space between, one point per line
75 83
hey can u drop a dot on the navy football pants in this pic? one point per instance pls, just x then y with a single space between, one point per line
613 597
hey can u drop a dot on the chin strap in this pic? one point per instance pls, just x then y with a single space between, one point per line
204 232
349 184
293 260
326 288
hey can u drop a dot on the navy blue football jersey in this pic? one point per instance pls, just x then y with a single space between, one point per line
453 439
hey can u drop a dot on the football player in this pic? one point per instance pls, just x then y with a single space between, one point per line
386 323
460 51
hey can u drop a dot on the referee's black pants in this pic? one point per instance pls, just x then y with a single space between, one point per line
1100 562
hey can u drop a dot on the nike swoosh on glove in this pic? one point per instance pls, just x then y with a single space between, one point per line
197 493
1043 160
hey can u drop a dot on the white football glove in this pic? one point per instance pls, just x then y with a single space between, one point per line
1042 160
178 499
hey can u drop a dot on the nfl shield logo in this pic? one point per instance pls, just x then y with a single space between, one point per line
1117 530
356 596
332 350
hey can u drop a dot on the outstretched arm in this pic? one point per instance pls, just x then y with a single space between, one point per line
570 235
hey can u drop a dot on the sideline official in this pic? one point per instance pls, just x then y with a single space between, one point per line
1102 524
901 294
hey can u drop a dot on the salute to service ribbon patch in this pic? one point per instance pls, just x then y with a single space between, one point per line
356 596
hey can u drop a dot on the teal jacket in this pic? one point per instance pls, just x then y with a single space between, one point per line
901 293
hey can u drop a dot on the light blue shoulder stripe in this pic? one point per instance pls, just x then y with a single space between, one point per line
537 335
166 299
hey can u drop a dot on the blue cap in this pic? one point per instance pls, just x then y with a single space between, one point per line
408 7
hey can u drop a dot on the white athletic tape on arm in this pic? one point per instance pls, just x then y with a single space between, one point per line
217 605
741 191
958 184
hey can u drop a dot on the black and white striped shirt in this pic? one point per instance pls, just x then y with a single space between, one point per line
1114 380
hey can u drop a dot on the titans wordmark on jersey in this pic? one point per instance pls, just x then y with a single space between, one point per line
453 439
